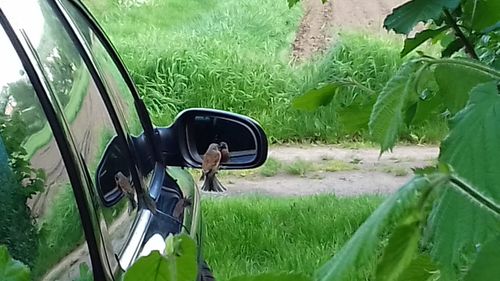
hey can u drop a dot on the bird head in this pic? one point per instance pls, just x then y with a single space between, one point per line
222 145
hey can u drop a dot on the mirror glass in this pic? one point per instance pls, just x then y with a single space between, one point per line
201 131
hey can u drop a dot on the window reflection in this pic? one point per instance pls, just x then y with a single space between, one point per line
39 219
77 95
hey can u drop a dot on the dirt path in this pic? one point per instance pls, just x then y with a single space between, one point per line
361 172
322 22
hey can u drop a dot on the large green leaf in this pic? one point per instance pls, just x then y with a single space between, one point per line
457 224
420 269
419 38
387 116
179 263
455 83
405 17
481 14
361 248
486 265
10 269
355 117
400 250
315 98
273 277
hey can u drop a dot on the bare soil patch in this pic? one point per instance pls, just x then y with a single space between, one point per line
370 174
322 22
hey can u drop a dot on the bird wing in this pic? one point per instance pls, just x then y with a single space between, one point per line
211 161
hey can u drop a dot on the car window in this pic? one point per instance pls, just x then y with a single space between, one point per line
115 83
83 108
39 218
120 93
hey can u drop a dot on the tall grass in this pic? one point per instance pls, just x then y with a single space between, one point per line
279 234
235 55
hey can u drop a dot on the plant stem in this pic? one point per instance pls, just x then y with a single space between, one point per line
469 49
493 73
476 196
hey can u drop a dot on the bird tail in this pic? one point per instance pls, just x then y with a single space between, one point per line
212 184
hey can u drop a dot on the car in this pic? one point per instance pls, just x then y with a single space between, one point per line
88 183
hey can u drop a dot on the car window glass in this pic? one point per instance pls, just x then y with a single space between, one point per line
115 83
39 218
84 110
116 86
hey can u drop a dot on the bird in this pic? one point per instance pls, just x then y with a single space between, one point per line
210 167
126 185
224 151
123 183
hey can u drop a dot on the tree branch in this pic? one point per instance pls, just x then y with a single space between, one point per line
469 49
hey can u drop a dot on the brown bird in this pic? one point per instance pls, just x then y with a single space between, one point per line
124 184
224 151
210 167
127 186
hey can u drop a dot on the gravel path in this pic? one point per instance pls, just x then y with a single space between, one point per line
368 174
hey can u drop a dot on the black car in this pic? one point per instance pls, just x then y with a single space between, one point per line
88 184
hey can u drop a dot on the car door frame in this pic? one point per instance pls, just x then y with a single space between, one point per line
79 178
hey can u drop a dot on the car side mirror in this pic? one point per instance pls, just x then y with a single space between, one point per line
113 161
185 142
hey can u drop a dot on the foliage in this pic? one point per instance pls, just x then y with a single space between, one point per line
178 264
462 214
10 269
18 183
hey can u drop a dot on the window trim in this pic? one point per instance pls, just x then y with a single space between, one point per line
31 64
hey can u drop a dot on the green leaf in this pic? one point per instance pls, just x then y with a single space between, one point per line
399 252
315 98
453 47
405 17
179 265
355 117
387 116
10 269
361 248
455 82
457 223
153 267
273 277
481 14
419 38
486 266
292 3
420 269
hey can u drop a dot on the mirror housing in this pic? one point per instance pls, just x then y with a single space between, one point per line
187 139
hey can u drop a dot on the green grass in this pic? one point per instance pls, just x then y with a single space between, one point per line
396 171
270 168
299 167
337 166
279 234
235 55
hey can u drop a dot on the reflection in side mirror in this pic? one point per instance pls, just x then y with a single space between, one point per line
114 161
195 129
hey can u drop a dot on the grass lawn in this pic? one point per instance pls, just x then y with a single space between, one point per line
251 235
235 55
